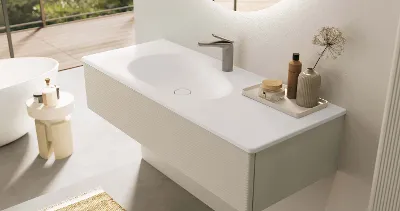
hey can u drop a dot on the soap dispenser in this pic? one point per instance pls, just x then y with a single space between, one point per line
49 94
293 74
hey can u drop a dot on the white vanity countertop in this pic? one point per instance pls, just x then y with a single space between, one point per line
239 120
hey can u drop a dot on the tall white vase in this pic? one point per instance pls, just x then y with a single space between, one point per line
308 85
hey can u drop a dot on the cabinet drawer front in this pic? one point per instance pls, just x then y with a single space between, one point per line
210 161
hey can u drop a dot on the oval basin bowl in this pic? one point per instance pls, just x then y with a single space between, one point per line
169 73
19 79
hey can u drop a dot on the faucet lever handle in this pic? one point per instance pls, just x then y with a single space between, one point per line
221 38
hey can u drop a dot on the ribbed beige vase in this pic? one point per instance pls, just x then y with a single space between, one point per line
308 85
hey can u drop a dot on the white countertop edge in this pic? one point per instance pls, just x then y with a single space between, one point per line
246 149
284 138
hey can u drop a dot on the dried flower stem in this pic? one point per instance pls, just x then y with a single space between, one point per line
320 56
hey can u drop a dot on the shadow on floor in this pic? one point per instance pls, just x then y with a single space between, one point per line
11 156
156 192
31 34
31 182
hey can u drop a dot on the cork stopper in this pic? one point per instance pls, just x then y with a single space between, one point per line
47 81
271 85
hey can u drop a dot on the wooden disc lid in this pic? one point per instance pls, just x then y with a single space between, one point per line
271 85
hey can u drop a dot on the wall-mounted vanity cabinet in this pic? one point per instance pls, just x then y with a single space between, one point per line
227 150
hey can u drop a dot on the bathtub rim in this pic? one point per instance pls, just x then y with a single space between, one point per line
54 68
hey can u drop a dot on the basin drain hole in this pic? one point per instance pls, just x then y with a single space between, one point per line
182 91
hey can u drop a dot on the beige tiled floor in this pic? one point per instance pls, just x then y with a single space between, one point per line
68 42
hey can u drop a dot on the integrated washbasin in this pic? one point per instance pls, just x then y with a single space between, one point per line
232 153
177 74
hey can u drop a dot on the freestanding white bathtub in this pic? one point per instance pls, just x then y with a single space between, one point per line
19 79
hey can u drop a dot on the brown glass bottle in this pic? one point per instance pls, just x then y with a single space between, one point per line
293 74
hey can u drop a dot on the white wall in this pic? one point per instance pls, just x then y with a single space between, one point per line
266 39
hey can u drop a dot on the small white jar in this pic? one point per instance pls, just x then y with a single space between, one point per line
271 90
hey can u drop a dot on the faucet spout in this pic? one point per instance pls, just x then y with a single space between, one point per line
220 44
227 51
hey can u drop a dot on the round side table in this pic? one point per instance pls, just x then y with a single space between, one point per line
53 126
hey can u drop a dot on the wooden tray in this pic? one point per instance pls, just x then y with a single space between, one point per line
287 106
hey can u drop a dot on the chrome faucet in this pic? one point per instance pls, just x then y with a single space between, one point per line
227 51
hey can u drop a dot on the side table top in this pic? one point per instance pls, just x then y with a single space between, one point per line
39 111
